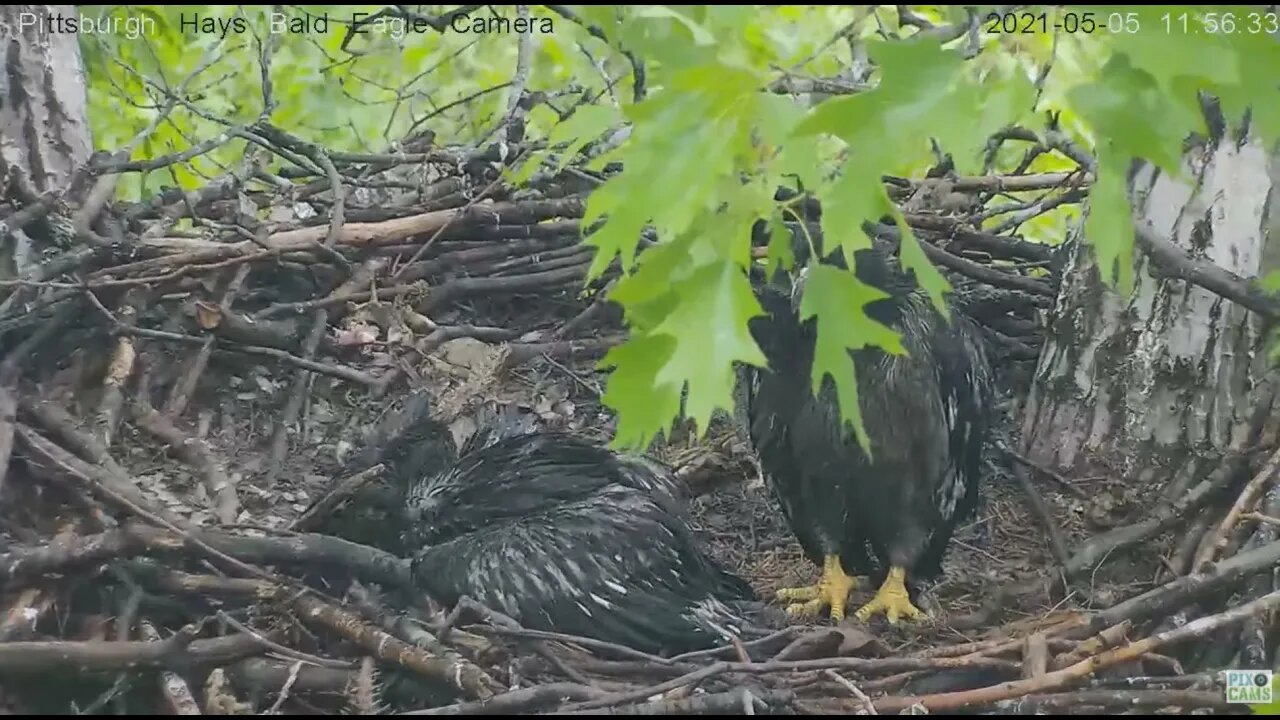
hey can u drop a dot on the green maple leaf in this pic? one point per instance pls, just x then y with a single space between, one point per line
927 276
1257 87
1120 105
645 292
837 298
992 106
1109 226
781 254
1270 283
709 327
643 404
913 71
856 197
1205 57
682 143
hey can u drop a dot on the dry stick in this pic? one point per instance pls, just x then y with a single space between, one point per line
739 702
8 412
513 122
688 679
998 646
319 323
519 353
868 708
133 539
194 452
770 639
262 675
179 651
1035 656
63 427
363 695
325 506
107 417
1161 519
31 605
284 690
1057 545
268 590
1259 517
1253 636
1047 472
337 371
443 334
1062 678
341 372
862 665
360 235
982 273
1105 640
358 296
1118 699
524 700
1244 501
108 479
176 582
93 479
220 697
474 683
21 619
103 189
180 393
453 670
62 554
177 694
523 282
460 214
1190 588
188 263
1174 261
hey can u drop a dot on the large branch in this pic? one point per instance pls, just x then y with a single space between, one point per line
1173 261
178 651
134 539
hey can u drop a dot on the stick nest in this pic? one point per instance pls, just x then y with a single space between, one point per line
180 410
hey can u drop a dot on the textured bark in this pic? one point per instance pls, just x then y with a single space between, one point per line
44 131
1138 385
43 127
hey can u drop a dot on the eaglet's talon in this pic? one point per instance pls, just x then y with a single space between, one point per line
892 599
831 591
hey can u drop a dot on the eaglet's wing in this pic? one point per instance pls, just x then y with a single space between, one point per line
614 566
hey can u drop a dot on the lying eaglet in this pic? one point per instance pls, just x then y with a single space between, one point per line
568 536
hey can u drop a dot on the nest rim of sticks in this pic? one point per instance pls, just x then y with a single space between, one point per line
344 299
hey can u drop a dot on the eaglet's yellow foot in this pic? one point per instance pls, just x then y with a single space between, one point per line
892 600
831 591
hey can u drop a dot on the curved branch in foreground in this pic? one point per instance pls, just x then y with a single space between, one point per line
1061 678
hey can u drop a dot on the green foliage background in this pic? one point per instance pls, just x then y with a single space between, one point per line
707 145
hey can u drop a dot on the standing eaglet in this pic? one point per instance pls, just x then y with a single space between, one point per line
926 416
566 535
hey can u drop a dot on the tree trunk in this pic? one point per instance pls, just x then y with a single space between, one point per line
1157 385
44 130
43 127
